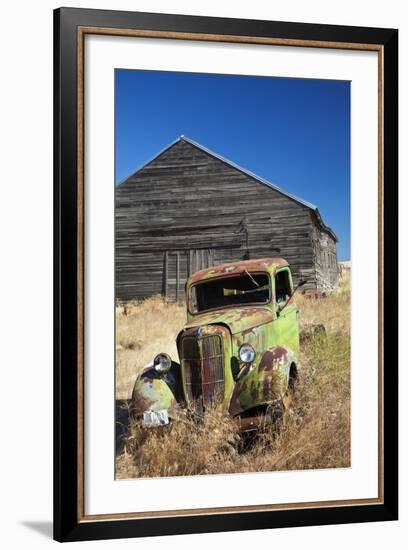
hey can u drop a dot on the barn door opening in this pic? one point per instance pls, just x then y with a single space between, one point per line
179 265
200 259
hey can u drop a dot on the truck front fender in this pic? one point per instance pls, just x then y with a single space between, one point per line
264 383
153 391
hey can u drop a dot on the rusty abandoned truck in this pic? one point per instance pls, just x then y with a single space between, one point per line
239 349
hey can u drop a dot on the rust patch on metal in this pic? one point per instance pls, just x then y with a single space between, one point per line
237 318
272 358
235 405
141 403
234 268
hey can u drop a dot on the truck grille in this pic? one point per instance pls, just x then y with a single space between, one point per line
203 371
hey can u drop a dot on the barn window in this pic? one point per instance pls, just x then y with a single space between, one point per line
283 287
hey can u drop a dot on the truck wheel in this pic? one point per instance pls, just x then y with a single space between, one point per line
274 415
289 395
288 398
246 441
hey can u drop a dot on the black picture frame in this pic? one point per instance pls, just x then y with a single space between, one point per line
67 523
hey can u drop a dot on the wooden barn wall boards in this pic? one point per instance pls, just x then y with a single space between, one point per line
189 208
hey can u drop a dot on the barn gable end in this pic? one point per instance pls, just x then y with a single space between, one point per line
189 208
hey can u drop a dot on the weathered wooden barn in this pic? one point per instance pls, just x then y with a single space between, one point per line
189 208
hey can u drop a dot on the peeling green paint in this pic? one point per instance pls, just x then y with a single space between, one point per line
272 331
155 392
263 264
264 383
237 319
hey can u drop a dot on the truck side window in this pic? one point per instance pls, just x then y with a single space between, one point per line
282 286
193 299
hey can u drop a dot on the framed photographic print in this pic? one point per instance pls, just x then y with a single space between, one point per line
225 274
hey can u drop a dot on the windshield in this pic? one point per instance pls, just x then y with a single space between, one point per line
245 288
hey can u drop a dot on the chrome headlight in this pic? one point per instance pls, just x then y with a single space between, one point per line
246 353
162 362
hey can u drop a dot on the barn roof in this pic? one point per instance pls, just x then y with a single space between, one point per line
248 173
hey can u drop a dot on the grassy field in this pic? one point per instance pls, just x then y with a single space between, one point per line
316 432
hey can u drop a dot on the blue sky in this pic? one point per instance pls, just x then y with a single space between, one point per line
293 132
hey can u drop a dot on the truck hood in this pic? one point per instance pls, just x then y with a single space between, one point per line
238 319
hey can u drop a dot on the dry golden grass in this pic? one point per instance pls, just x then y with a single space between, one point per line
144 329
315 434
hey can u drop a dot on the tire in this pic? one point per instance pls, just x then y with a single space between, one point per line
289 396
274 416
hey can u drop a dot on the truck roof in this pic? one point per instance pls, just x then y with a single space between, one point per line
260 264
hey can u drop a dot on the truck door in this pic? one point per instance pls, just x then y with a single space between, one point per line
286 323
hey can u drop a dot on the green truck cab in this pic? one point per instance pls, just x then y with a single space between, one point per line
238 350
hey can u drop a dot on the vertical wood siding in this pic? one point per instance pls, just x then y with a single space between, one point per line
326 265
